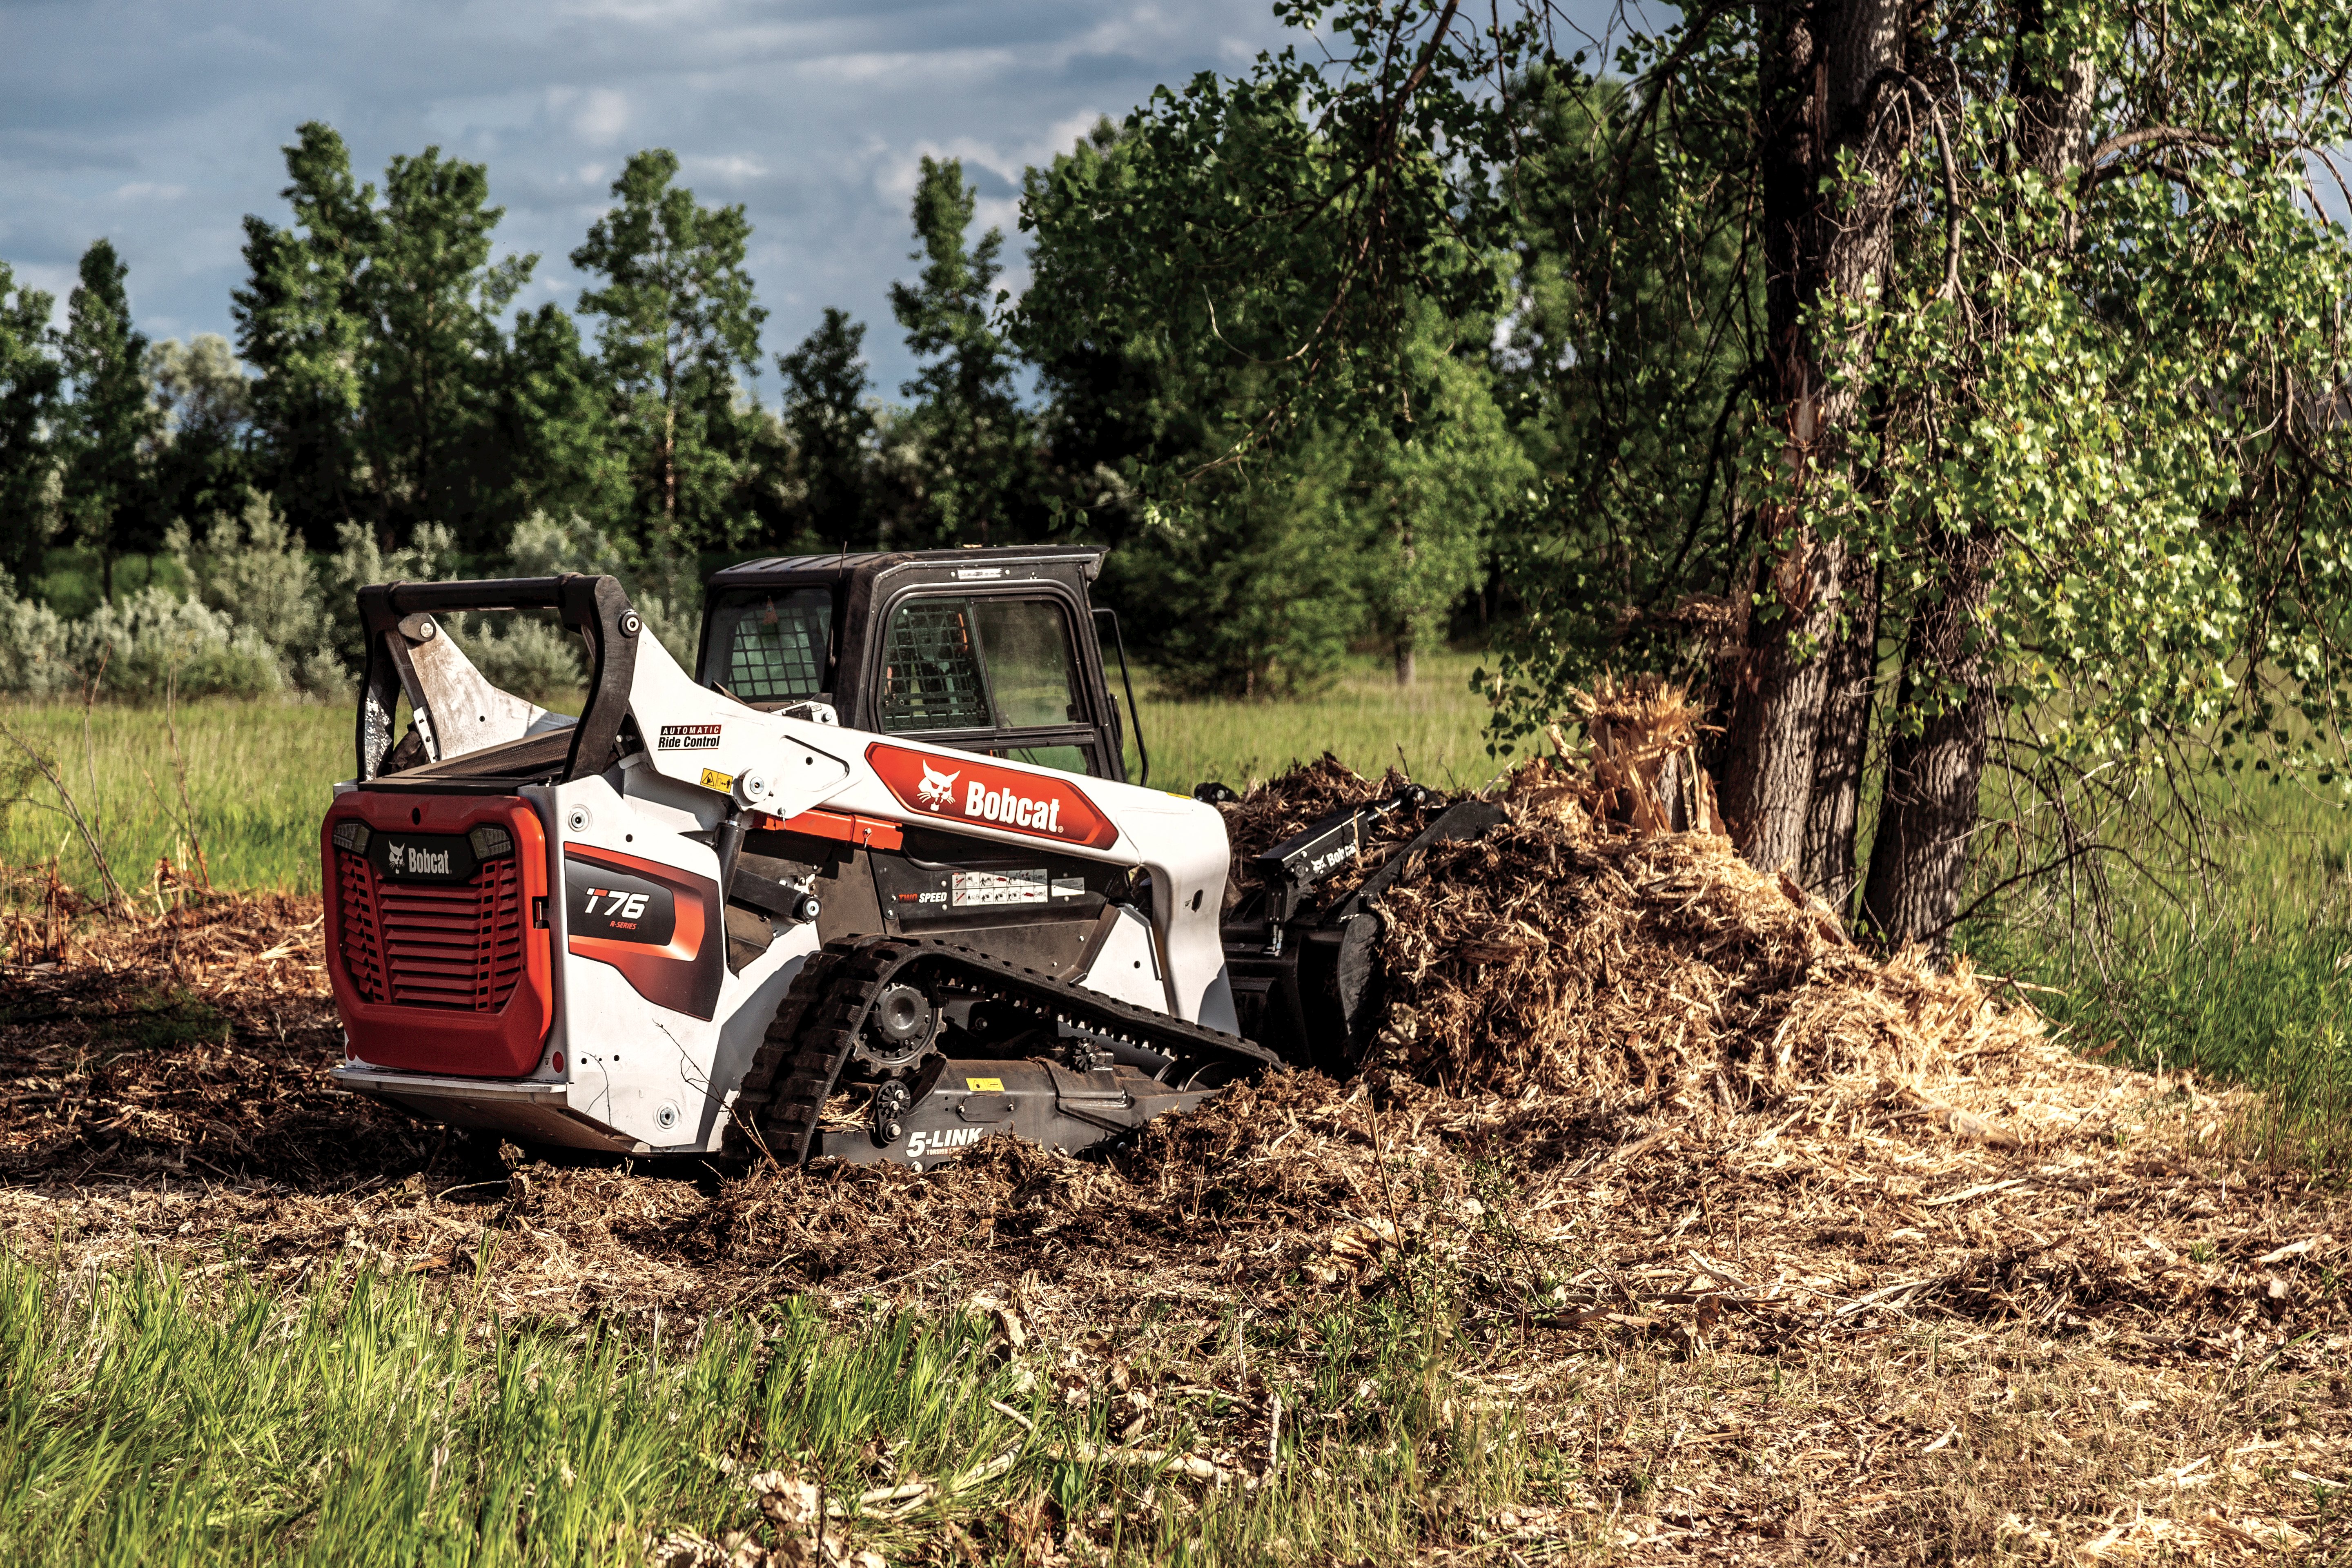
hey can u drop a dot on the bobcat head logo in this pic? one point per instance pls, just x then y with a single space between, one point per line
938 788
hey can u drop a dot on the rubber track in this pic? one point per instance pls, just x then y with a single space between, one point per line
816 1027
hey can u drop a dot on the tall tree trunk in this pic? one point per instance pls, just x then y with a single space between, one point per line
1826 73
1935 763
1771 741
1840 751
1404 651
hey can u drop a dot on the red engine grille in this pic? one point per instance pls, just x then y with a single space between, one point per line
428 945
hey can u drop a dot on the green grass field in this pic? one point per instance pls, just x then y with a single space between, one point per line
2245 977
1434 729
258 774
150 1417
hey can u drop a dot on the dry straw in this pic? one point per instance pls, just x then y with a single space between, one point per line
1794 1251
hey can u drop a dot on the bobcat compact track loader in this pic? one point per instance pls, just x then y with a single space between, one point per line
873 886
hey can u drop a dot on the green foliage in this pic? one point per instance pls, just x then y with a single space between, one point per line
110 421
1252 594
832 429
555 418
975 435
203 404
384 373
677 323
249 563
1628 367
35 648
1275 521
251 569
148 646
301 325
1281 223
431 299
29 381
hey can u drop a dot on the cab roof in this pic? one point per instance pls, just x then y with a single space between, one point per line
797 570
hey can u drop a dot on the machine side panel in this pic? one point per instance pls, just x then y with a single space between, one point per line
1126 966
657 924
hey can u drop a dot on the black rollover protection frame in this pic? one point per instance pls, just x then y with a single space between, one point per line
597 609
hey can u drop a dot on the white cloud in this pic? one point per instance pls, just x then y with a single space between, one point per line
735 166
602 117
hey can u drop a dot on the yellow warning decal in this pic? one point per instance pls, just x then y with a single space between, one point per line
985 1084
723 783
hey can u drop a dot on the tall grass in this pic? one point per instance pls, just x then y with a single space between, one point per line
259 775
1433 729
2244 974
147 1416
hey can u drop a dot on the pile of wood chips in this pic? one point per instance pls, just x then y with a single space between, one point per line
1779 1250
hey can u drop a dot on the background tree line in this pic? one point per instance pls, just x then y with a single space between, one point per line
1951 388
384 391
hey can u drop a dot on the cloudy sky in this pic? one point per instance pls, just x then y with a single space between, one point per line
159 125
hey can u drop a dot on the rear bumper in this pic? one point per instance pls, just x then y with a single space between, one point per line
519 1108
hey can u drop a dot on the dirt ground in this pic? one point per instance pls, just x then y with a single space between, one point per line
1772 1251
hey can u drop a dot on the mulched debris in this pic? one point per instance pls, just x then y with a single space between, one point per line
1653 1126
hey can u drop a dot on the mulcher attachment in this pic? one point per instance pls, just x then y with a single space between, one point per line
1307 981
898 1048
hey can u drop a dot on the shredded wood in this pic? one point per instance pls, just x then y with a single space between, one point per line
1771 1249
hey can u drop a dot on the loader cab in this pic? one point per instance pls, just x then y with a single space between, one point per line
990 651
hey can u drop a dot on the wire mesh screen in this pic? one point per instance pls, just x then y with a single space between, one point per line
931 678
774 646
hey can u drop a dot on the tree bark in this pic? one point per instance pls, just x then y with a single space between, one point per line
1934 766
1840 751
1771 742
1827 71
1936 762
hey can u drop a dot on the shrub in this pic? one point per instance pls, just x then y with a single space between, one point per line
147 643
35 646
253 569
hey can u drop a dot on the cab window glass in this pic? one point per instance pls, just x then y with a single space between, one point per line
1030 671
771 647
930 670
1069 759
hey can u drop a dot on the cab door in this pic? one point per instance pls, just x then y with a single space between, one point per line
996 673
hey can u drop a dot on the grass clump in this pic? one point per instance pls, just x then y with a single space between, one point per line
2245 976
159 1414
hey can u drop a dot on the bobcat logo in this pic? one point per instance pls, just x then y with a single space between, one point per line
938 788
